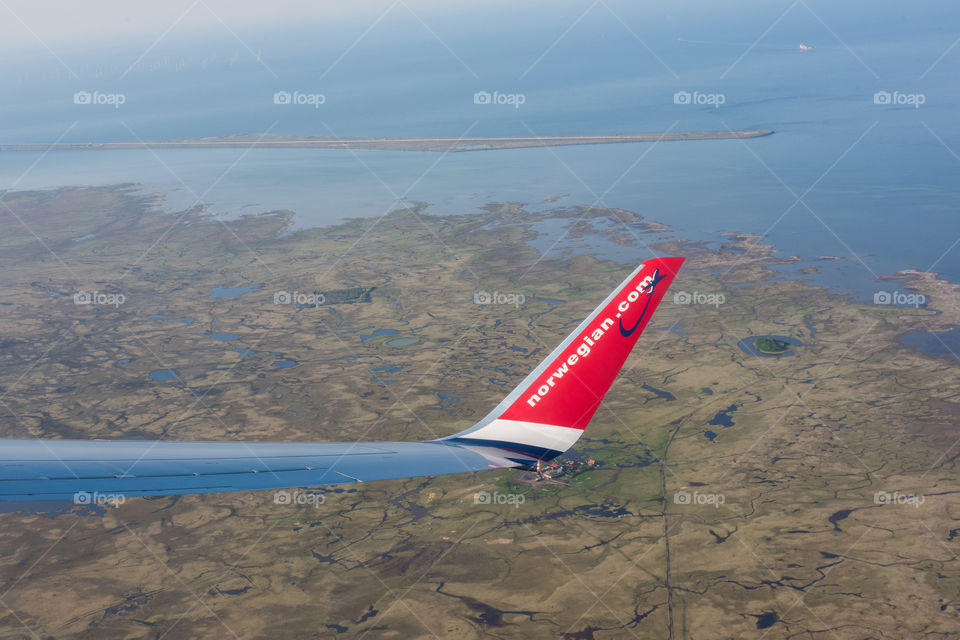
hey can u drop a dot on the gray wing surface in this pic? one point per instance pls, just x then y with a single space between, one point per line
62 469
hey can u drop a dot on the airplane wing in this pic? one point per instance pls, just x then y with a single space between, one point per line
540 419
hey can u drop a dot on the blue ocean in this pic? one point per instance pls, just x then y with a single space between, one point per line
863 163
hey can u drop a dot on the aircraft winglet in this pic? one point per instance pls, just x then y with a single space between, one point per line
547 412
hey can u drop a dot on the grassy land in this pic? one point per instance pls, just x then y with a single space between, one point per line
814 435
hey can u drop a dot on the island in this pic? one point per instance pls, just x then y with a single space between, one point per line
770 344
279 141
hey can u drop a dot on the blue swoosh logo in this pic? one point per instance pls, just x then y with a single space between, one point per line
649 289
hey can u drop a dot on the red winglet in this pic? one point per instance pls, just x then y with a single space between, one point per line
569 389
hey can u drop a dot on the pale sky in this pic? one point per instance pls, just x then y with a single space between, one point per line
68 23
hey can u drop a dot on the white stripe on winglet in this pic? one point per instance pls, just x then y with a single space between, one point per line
529 433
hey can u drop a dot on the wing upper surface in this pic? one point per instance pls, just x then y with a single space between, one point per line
60 469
